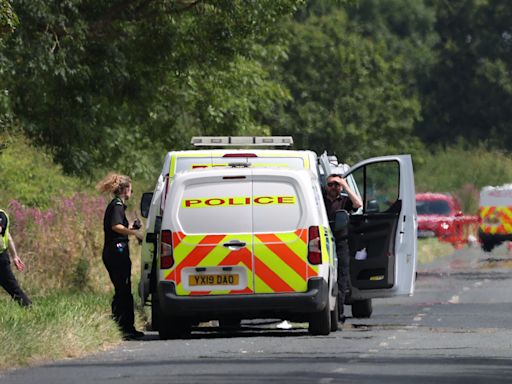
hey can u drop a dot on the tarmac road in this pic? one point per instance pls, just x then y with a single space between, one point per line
457 328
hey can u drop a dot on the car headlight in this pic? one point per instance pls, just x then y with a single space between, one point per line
445 226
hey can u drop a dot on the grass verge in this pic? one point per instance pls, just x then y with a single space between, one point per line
60 325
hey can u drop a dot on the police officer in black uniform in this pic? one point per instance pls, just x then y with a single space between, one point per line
7 279
116 253
340 196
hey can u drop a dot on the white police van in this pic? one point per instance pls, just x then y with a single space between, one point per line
382 233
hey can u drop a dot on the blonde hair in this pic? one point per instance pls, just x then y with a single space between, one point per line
113 183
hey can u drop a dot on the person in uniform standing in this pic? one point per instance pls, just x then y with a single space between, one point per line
340 196
116 253
7 248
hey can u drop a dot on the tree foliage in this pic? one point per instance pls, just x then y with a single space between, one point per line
470 91
99 81
348 95
114 84
8 19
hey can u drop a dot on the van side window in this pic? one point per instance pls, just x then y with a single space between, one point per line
379 183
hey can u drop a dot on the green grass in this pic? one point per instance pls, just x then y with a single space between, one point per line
430 249
57 326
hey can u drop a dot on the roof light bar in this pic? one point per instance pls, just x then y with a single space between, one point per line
232 141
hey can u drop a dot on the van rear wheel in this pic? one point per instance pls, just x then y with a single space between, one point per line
487 246
171 327
230 323
320 322
335 317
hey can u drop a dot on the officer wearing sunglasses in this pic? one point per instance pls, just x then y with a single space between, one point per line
338 196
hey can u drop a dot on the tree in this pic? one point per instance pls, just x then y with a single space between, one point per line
470 91
349 96
8 19
90 77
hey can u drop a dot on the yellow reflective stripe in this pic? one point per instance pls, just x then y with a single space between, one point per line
172 166
280 267
261 286
187 245
214 257
196 154
503 217
253 165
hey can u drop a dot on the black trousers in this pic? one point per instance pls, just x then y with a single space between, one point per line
344 285
116 258
9 283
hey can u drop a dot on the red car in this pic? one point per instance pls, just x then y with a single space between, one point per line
439 215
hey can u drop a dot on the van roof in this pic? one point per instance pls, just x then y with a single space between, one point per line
309 157
243 171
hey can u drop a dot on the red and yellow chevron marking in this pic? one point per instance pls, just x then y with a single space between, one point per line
279 263
207 251
496 220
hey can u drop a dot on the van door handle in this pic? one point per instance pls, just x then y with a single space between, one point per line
234 244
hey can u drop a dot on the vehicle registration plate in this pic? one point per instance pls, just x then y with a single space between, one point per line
222 279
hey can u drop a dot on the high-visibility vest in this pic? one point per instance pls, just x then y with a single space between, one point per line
4 240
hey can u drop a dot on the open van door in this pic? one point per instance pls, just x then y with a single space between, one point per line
382 238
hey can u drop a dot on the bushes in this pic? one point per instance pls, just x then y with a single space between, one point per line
62 244
463 171
29 174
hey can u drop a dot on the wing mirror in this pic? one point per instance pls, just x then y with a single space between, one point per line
341 221
145 203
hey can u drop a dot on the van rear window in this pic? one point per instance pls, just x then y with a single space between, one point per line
239 207
282 214
216 208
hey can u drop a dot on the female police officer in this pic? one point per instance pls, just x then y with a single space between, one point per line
116 254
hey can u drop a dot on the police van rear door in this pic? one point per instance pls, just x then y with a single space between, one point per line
382 238
212 238
280 234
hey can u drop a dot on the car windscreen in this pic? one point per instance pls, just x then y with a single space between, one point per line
432 207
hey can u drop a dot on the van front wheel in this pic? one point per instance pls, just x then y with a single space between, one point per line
320 322
362 309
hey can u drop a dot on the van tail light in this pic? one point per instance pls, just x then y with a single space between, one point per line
166 255
314 246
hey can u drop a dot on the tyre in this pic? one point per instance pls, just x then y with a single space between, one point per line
320 322
362 309
487 246
335 317
155 313
230 323
171 327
